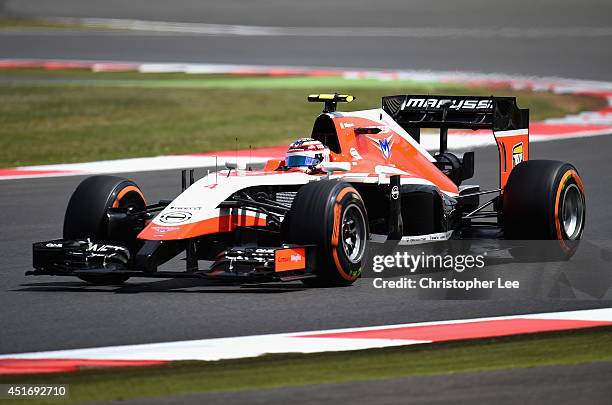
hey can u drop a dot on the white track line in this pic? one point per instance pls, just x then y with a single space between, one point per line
350 32
299 342
148 164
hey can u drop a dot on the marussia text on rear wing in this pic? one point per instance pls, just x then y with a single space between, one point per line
510 124
461 112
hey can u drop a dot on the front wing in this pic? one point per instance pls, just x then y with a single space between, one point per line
83 258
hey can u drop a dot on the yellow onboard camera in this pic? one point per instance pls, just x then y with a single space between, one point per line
331 100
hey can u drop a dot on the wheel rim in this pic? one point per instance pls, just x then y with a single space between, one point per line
572 213
130 201
353 231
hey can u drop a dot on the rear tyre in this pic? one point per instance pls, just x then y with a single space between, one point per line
86 215
331 215
545 200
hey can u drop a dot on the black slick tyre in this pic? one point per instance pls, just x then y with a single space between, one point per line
86 215
331 215
545 200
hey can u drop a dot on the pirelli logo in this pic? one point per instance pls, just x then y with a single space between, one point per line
451 104
289 259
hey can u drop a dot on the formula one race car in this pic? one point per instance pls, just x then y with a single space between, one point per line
312 221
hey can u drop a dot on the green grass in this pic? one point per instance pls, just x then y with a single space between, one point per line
76 116
13 22
560 348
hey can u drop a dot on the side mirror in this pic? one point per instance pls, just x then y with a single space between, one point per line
235 165
336 166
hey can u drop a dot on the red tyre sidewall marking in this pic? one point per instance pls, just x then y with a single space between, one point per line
336 233
124 191
559 233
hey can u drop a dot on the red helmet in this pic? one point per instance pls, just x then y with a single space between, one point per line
306 153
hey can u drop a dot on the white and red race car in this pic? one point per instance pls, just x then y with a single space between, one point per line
277 224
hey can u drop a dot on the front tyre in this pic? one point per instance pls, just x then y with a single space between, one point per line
86 215
331 215
545 200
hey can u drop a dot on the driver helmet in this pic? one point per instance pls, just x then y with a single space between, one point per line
306 153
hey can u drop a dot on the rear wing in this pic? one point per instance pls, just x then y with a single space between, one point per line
509 123
461 112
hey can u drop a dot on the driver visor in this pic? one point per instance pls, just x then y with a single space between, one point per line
301 161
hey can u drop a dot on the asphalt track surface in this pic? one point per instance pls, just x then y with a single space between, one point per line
52 313
47 313
541 385
571 52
